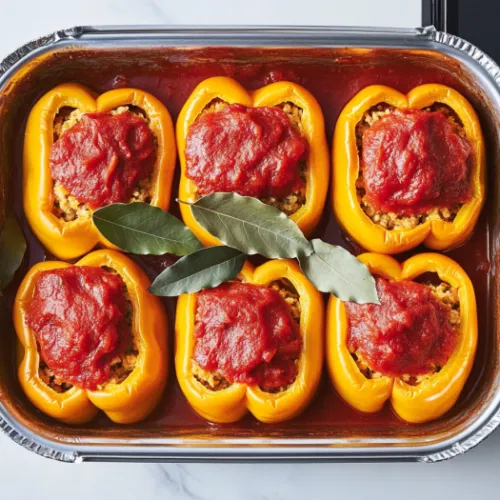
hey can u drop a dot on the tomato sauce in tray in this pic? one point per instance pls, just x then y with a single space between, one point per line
333 77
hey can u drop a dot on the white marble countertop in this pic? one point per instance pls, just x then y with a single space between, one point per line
24 475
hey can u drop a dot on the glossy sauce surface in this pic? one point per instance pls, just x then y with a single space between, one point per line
101 159
412 161
253 151
409 333
333 77
78 315
247 334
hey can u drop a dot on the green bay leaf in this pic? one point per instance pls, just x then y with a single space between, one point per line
251 226
332 269
12 250
205 268
144 230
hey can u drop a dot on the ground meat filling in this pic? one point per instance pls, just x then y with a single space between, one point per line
290 295
435 346
293 201
211 380
65 205
121 367
53 381
282 360
393 220
121 364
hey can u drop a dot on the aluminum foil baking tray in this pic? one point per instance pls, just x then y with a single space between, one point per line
76 52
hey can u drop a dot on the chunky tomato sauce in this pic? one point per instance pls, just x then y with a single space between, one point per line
78 315
333 77
409 333
251 151
101 159
246 333
413 161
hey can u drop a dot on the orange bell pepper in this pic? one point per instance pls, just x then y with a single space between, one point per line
231 404
230 91
128 402
436 394
70 240
435 234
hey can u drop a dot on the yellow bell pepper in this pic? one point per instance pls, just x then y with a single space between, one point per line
231 404
435 395
230 91
128 402
435 234
70 240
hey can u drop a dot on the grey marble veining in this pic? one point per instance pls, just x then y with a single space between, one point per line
474 475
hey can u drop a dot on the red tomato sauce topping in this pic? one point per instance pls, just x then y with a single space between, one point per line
409 333
414 161
247 333
251 151
78 315
101 159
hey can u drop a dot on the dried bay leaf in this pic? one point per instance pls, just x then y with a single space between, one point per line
205 268
247 224
142 229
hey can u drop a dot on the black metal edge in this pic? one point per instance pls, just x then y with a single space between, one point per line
442 14
434 14
451 16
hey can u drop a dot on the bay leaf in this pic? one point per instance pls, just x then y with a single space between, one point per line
12 250
332 269
144 230
251 226
205 268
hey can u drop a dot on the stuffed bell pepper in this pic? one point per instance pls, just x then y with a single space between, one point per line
93 339
416 348
254 344
408 169
269 144
83 152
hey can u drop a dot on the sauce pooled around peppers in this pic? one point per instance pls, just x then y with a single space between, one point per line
250 151
101 159
247 334
409 333
414 161
79 317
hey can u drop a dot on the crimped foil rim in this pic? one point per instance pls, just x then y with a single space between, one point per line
471 50
493 70
485 61
468 444
31 445
26 49
44 41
